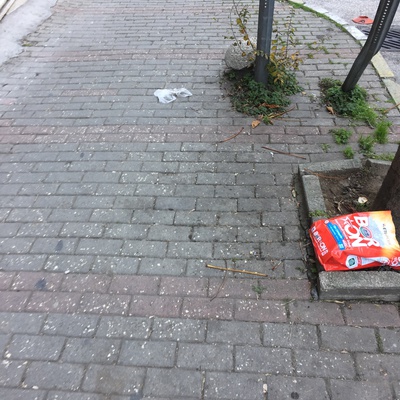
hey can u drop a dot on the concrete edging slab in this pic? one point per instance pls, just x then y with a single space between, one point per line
351 285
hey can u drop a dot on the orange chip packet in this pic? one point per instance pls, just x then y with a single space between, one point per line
356 241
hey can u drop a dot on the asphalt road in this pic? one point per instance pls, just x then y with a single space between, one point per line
354 8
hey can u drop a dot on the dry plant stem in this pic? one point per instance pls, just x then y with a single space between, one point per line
322 175
281 113
282 152
220 286
391 108
242 271
232 137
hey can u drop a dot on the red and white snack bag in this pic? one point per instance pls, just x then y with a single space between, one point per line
356 241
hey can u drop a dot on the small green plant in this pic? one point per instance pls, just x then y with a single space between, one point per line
341 135
383 157
352 104
256 99
325 147
253 98
382 131
258 289
319 213
348 152
366 145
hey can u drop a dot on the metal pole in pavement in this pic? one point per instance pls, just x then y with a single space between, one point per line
380 27
264 35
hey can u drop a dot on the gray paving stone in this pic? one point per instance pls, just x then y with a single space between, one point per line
91 350
139 248
99 246
52 375
224 385
285 387
22 394
346 338
233 332
113 379
28 347
70 325
55 395
179 330
68 263
263 360
217 357
390 340
23 262
147 353
124 327
173 383
377 390
54 246
162 266
375 366
323 364
115 265
293 336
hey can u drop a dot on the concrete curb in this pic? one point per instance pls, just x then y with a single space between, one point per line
352 285
379 63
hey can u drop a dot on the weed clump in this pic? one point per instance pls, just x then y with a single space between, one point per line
382 131
348 152
352 104
341 135
255 99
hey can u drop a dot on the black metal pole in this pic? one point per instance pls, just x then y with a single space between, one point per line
264 35
382 22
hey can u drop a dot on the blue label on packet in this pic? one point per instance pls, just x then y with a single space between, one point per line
337 234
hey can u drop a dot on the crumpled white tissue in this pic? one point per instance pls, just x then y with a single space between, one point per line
169 95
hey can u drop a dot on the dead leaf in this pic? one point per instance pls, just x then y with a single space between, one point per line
269 105
330 110
255 123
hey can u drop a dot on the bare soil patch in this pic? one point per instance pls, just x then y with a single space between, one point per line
344 191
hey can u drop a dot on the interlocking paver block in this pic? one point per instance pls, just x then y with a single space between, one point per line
189 330
70 325
380 315
361 389
282 387
218 357
112 205
28 347
224 385
84 350
323 364
173 383
148 353
52 375
290 336
114 379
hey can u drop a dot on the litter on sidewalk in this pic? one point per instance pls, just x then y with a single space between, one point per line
169 95
363 20
356 241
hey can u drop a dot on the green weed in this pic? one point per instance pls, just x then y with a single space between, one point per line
348 152
352 104
341 135
381 132
366 145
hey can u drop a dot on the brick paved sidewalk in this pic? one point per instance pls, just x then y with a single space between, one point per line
112 205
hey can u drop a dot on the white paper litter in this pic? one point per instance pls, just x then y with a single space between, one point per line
169 95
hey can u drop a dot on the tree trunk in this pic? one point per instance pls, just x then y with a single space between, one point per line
388 197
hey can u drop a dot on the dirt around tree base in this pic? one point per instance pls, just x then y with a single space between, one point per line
345 192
